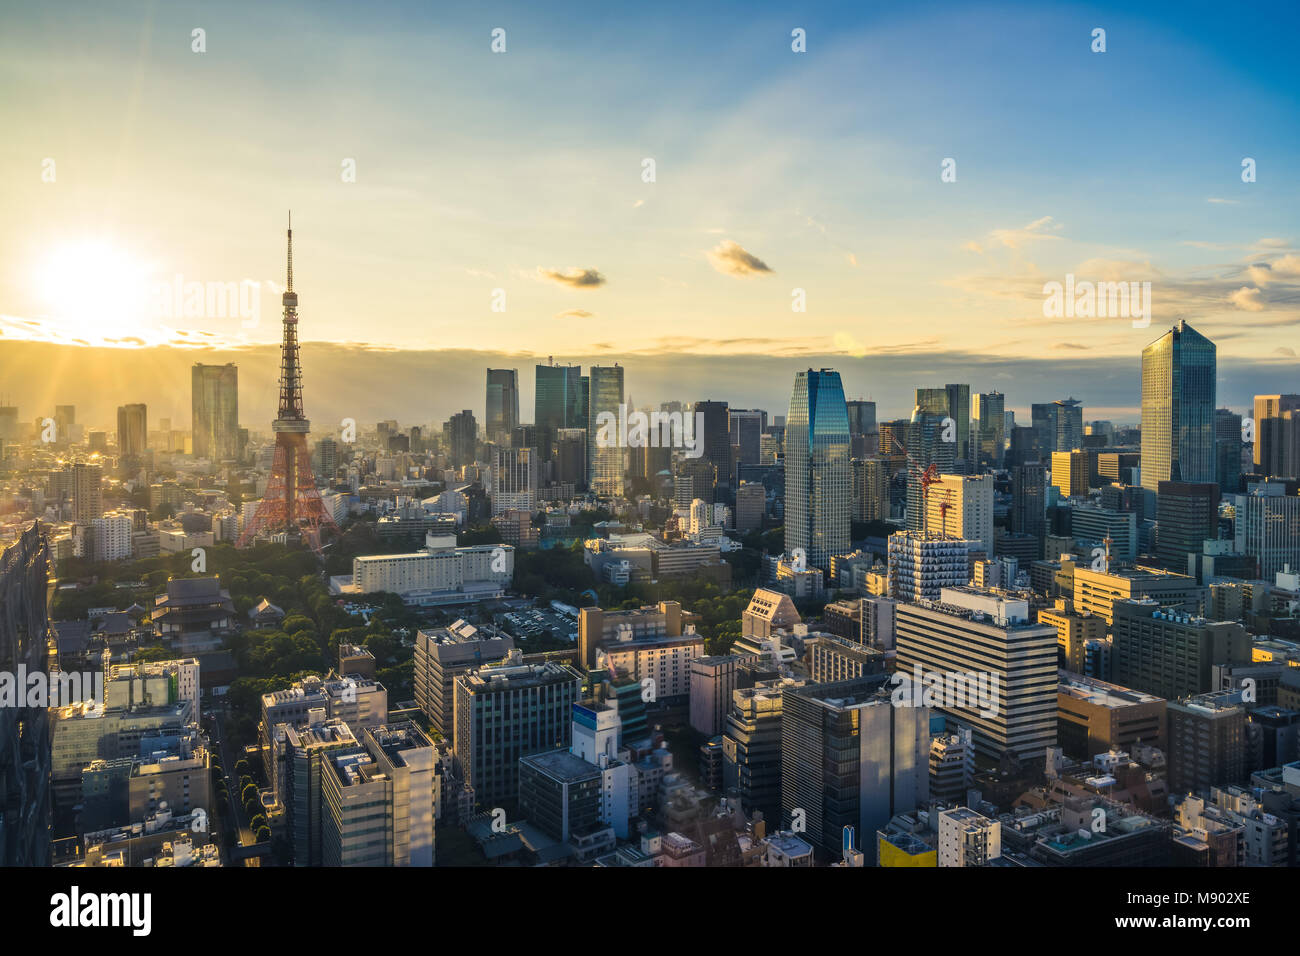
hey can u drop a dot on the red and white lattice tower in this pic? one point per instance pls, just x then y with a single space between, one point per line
292 504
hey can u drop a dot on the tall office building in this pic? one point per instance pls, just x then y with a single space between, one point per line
132 430
1178 400
1228 450
747 426
864 435
605 452
926 446
990 427
1277 435
975 635
514 480
509 711
818 492
65 417
961 506
1267 527
1029 500
558 403
849 757
460 437
502 403
25 732
214 399
1187 515
1070 473
716 438
1058 425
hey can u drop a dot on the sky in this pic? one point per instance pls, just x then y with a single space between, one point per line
500 202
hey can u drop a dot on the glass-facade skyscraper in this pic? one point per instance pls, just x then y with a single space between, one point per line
604 462
818 478
1178 401
557 403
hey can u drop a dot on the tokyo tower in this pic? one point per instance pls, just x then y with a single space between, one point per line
291 505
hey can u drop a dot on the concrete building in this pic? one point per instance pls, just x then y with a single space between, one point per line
1207 742
967 838
970 636
1171 653
922 565
508 711
1096 717
961 506
441 655
713 679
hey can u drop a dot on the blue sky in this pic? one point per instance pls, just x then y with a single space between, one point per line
520 171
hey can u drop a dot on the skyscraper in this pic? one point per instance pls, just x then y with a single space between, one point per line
818 492
927 444
1178 400
557 403
1228 450
214 399
461 437
717 438
132 430
1277 435
604 449
990 415
502 403
1059 425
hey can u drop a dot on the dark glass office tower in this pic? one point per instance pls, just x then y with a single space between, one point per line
818 480
558 403
1178 399
717 438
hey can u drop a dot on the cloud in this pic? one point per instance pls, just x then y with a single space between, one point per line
1247 299
1225 202
1284 350
572 278
1070 345
574 314
1034 231
1272 243
730 258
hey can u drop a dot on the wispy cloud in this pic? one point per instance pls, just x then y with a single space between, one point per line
572 278
730 258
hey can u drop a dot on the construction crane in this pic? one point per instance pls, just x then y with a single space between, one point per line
928 476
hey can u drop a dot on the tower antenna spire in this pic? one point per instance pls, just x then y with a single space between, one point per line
290 269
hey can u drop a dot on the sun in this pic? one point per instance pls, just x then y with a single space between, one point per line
95 289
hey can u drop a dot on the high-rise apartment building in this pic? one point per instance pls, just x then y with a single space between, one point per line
87 496
818 492
1178 401
870 489
460 438
214 400
502 403
1070 473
